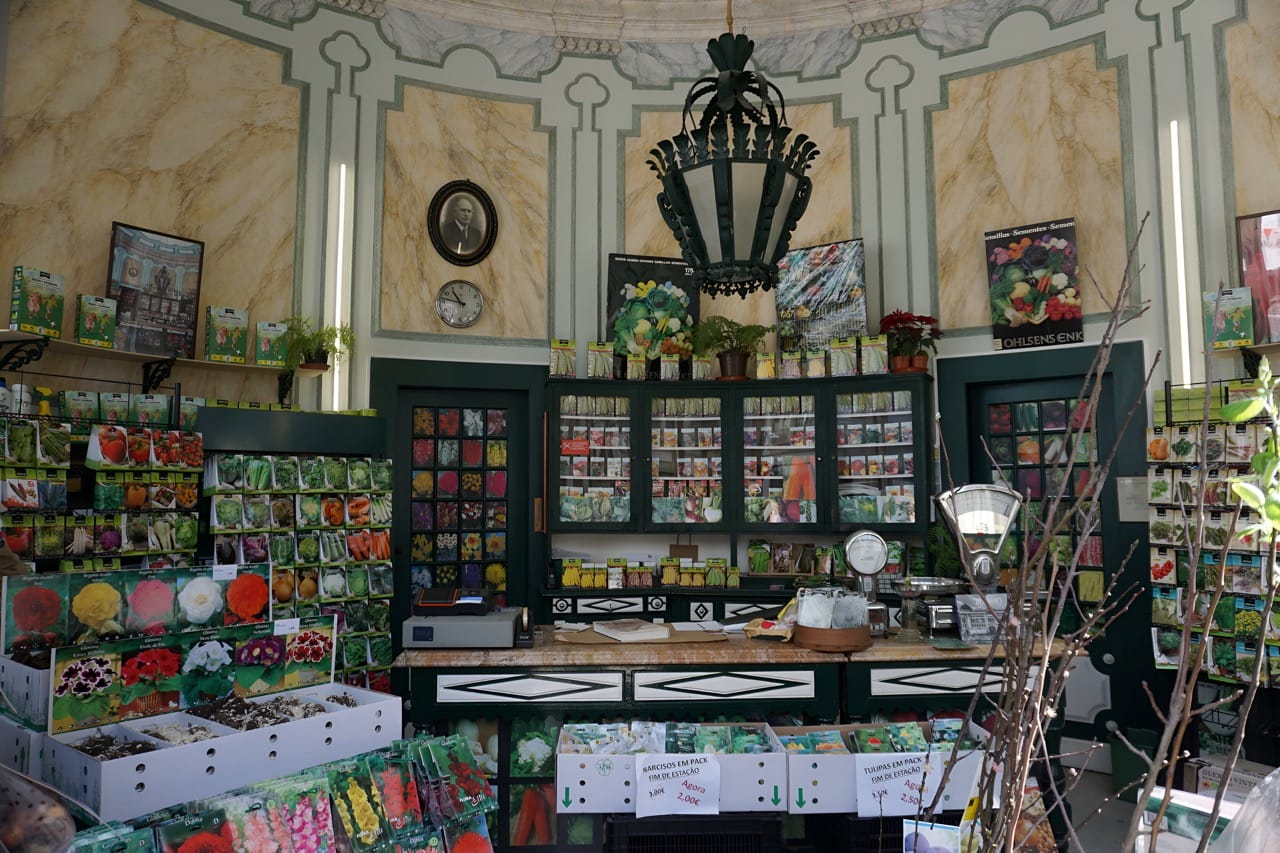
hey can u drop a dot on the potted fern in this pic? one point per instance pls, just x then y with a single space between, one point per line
310 347
731 342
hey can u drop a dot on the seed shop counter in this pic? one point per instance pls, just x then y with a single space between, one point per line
668 680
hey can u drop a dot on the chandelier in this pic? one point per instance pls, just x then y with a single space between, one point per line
732 187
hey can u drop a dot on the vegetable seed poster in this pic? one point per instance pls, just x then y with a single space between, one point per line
652 306
1034 282
821 295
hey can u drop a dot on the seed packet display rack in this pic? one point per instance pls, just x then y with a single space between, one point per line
256 668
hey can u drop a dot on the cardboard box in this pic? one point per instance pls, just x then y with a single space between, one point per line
37 301
125 788
876 784
96 321
1184 821
271 346
20 747
226 334
607 783
27 689
1246 776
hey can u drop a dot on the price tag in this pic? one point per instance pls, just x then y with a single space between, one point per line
677 784
288 626
224 573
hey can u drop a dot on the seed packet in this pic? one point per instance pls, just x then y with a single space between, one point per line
468 790
257 512
36 610
358 805
872 739
380 474
199 832
829 742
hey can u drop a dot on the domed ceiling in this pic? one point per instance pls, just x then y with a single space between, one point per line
662 20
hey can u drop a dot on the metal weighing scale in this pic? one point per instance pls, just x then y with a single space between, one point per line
866 553
464 619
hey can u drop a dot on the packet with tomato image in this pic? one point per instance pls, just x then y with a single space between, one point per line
19 535
1163 566
108 447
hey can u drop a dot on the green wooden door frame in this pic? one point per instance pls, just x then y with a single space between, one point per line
1124 653
388 378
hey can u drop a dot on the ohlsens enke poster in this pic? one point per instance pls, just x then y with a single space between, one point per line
1033 273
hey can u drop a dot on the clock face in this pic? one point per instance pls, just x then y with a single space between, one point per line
459 303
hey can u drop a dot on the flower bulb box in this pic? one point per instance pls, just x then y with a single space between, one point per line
125 788
27 689
20 747
877 783
601 782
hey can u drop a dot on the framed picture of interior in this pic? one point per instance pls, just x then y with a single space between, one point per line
1258 239
155 279
462 223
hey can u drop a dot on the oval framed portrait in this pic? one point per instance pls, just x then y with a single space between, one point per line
462 223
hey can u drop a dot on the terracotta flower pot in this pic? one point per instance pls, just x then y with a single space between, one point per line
909 363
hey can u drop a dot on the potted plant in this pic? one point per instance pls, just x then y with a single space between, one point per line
731 342
910 337
311 347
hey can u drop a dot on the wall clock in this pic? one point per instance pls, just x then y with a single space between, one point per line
459 303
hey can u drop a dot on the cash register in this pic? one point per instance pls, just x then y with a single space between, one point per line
464 619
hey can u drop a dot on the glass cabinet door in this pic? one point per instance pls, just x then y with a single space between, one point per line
685 441
875 458
593 462
779 482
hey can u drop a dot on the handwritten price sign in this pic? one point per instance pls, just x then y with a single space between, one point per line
677 784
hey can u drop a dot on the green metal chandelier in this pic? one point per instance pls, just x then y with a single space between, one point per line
732 187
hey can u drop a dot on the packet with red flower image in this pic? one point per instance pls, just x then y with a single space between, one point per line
398 789
309 652
456 765
203 833
150 598
247 596
150 677
471 836
34 610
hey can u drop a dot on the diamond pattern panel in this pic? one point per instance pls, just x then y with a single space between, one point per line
722 686
530 687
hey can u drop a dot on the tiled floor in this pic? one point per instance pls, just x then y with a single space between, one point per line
1104 831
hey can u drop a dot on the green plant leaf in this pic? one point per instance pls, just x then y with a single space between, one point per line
1249 494
1239 411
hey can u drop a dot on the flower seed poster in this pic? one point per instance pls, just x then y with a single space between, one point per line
1033 276
652 305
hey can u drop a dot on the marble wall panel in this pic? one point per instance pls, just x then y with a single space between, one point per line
1032 142
1253 67
829 217
131 114
437 137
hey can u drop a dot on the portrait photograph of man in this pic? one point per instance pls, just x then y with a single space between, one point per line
462 223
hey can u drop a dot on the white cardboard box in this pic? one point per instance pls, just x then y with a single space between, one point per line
875 784
20 747
607 783
28 689
125 788
1244 778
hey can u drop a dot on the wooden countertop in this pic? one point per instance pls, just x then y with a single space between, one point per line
737 650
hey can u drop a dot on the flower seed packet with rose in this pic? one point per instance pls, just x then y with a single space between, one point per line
35 615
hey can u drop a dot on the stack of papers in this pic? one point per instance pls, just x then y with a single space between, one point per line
632 630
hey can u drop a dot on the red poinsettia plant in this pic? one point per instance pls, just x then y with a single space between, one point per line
910 334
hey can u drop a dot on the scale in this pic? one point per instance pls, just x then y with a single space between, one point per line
866 553
464 619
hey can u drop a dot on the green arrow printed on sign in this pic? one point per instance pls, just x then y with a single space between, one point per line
567 799
776 798
799 798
